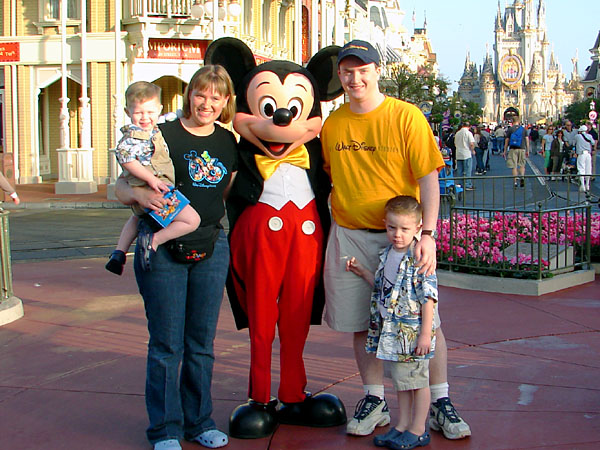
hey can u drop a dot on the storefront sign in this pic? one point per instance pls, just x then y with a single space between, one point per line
9 51
176 49
261 59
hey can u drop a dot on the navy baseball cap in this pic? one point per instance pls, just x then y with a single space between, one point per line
361 49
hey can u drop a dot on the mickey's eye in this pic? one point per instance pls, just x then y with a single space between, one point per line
267 107
295 106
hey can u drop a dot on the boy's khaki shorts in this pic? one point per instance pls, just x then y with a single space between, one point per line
347 296
407 376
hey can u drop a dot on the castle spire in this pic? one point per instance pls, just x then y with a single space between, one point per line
541 15
498 18
575 60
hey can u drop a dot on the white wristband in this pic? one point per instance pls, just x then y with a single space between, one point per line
14 195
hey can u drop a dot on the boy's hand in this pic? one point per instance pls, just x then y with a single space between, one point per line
423 344
159 186
352 265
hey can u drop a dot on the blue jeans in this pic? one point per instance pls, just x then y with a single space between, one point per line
182 303
500 144
463 169
479 152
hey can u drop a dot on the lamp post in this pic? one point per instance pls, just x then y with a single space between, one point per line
426 105
425 91
442 102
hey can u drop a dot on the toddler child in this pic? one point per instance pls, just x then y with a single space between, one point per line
401 329
144 157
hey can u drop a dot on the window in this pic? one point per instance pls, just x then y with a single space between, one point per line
52 9
266 17
248 17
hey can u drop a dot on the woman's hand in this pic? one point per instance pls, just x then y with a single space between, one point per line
147 198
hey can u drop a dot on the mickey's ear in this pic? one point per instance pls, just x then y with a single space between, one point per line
323 67
233 55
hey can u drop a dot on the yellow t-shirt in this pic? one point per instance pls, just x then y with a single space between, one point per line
375 156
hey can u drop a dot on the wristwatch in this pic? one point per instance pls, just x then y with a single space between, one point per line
432 233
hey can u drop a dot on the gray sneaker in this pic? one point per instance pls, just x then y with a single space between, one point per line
443 417
370 412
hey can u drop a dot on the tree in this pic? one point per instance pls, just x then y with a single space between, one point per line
413 87
417 88
461 110
578 112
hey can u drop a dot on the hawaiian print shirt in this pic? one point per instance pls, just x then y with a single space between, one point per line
394 336
135 144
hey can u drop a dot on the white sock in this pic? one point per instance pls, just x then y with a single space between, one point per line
438 391
374 389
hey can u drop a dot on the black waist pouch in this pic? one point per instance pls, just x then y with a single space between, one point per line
195 246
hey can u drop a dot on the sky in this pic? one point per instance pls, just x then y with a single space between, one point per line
458 27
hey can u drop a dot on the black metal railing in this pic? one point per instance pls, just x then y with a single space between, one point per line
535 231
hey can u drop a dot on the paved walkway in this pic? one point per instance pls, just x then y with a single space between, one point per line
42 196
524 371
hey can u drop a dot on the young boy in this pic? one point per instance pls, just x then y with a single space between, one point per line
144 157
401 328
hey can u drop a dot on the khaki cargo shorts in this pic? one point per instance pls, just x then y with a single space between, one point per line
407 376
515 158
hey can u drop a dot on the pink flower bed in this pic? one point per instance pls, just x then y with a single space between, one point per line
481 241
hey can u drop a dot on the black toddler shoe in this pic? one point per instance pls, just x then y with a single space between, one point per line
116 262
253 420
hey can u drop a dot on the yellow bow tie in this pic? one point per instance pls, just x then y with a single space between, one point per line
267 166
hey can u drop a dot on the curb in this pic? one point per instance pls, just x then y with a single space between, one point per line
515 286
65 205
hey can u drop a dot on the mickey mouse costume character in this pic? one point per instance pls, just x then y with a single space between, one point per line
279 218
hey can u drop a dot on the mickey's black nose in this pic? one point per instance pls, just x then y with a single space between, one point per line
282 117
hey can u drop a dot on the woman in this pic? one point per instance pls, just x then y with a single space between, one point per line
556 152
479 151
546 146
182 299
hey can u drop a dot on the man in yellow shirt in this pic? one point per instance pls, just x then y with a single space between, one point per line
375 148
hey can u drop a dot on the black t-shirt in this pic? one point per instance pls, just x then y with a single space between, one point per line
203 167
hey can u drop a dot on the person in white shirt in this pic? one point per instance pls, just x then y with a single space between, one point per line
584 143
465 150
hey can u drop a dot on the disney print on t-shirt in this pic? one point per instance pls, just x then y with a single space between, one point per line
205 171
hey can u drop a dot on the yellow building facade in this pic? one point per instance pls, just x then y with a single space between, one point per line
62 78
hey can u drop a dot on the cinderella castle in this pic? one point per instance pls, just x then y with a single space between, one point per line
523 76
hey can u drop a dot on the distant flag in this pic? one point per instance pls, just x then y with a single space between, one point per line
414 19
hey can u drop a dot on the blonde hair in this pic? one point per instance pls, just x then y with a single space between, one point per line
404 205
141 91
211 77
